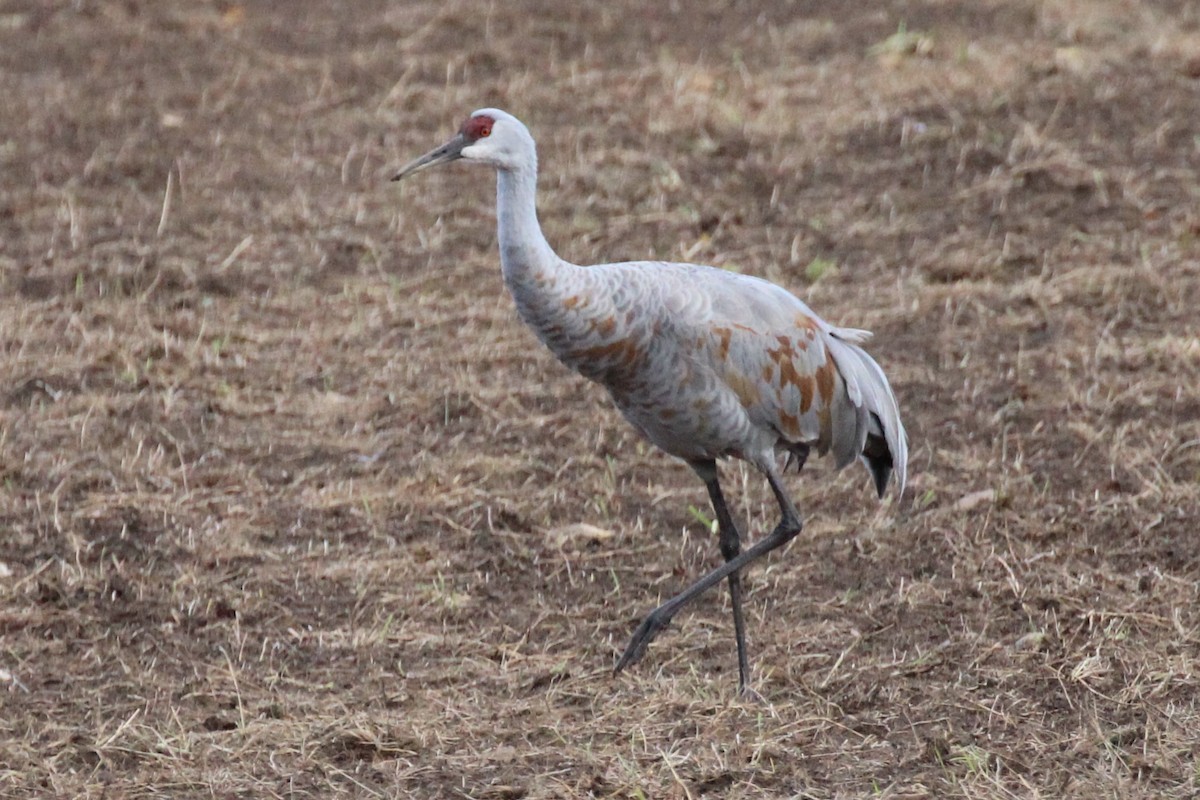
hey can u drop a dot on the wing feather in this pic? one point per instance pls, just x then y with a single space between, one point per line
796 378
815 384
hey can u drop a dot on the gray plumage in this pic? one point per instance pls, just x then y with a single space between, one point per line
706 363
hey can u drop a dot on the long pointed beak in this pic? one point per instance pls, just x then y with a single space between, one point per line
450 151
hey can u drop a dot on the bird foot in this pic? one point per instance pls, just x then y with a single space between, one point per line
651 626
748 695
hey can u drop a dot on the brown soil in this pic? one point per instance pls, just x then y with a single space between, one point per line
291 505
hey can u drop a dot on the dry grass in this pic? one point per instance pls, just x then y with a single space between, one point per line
293 507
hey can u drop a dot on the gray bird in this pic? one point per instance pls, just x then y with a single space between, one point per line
706 364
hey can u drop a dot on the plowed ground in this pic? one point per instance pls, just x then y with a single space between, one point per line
291 505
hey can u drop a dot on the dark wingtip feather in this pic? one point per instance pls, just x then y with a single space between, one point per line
881 471
879 462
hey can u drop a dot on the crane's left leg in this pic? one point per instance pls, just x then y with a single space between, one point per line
789 525
730 542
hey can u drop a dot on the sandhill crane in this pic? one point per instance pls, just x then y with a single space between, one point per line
706 364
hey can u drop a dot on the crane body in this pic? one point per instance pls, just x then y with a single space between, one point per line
707 364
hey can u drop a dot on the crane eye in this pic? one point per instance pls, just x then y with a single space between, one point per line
478 127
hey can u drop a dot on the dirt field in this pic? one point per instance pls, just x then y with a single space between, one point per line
293 506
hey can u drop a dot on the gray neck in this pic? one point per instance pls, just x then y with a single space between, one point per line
541 283
525 255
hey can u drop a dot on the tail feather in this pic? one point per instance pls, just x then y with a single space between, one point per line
878 459
870 429
853 335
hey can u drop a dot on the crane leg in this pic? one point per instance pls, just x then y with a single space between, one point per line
789 525
730 542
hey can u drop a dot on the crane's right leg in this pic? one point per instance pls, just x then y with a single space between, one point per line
660 618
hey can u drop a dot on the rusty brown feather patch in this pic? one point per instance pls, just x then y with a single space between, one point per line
725 336
826 377
605 327
745 389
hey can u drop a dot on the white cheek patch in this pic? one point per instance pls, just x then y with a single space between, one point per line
485 151
479 152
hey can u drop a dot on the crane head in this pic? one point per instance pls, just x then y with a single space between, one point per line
489 136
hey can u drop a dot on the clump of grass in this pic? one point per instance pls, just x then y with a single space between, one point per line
903 43
819 268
